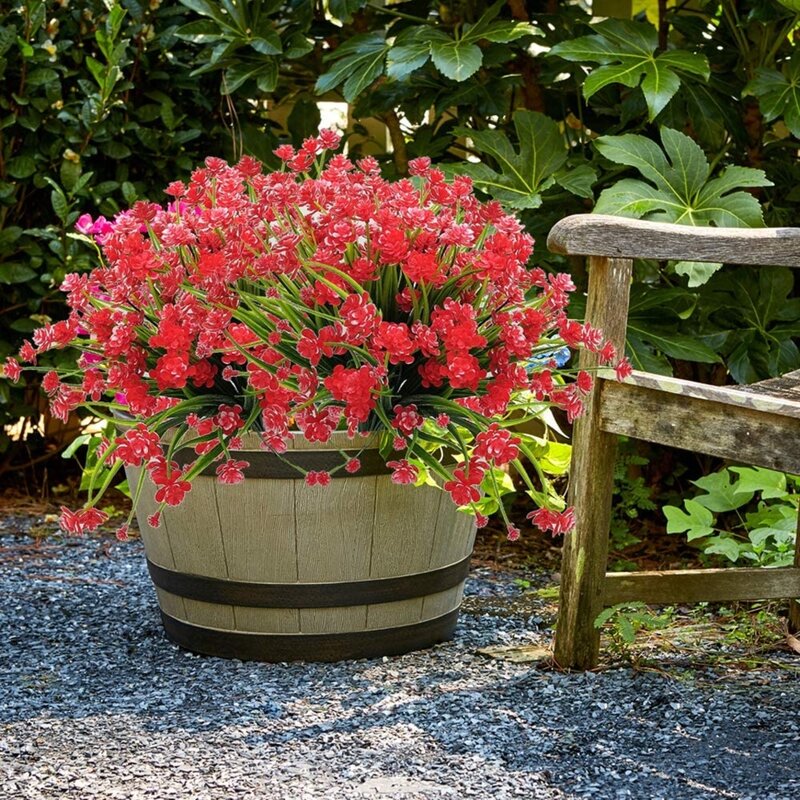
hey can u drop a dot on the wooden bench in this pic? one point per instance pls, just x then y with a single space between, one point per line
758 425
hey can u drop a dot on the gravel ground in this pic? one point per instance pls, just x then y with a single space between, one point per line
96 703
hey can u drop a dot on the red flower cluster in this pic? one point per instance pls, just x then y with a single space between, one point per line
318 303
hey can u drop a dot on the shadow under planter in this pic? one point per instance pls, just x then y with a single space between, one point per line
274 570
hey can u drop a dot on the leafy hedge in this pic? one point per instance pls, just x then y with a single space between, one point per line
691 116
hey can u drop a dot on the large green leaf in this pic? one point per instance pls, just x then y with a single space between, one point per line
679 188
626 52
778 93
357 63
522 175
456 59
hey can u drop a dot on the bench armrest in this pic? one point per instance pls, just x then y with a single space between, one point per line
620 237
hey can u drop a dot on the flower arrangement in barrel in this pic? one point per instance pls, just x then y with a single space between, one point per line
315 299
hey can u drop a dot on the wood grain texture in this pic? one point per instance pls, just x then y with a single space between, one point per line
591 474
619 237
700 585
156 541
334 534
794 604
773 396
708 426
453 539
282 531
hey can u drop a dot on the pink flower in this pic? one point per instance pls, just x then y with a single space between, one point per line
352 466
512 533
623 369
122 533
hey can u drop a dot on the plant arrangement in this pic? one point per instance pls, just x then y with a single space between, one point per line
316 298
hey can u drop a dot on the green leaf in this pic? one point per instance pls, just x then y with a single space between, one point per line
357 63
697 272
679 189
725 546
343 10
525 173
578 180
697 521
770 483
267 44
69 172
201 31
778 93
626 51
15 273
207 9
673 344
21 167
411 50
457 59
720 494
238 73
303 120
60 205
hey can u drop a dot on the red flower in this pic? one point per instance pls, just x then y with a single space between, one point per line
512 533
463 488
82 521
317 478
12 369
555 521
497 445
137 446
623 369
407 419
352 466
402 471
395 339
173 490
231 471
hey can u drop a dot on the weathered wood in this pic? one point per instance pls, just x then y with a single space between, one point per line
618 237
764 396
794 602
701 585
708 426
594 451
270 531
785 387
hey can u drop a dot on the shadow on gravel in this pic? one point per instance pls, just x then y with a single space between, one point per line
80 639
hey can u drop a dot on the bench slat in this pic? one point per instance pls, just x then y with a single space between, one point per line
619 237
702 585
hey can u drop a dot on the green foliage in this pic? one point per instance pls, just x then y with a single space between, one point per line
627 53
677 185
523 175
624 621
745 514
632 497
778 93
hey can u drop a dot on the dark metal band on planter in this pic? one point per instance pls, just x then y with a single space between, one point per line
308 595
310 646
269 465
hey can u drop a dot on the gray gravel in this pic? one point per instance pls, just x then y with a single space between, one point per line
96 703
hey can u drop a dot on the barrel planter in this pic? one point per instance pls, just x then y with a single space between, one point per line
274 570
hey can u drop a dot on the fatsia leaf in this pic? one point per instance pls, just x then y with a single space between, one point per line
343 10
356 64
456 59
679 189
778 94
626 52
521 175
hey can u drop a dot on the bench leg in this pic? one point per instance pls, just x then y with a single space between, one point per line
794 604
585 555
583 565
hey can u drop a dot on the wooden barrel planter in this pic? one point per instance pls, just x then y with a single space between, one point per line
273 570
